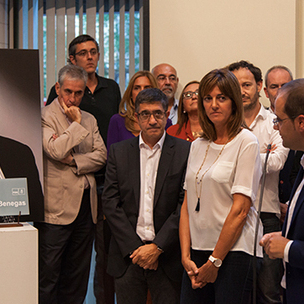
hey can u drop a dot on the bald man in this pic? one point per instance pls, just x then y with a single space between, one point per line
168 81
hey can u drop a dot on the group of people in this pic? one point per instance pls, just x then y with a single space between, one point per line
173 213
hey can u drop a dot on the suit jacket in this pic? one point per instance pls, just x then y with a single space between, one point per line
17 160
64 184
295 267
121 198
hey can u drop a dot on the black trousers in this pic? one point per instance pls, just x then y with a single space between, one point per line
65 257
104 289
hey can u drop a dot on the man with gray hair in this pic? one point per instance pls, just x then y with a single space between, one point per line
72 151
275 78
167 80
289 244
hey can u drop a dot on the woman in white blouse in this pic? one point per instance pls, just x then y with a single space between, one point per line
218 217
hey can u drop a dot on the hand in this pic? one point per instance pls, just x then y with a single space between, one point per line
146 256
283 208
273 147
207 273
192 272
68 160
73 113
274 244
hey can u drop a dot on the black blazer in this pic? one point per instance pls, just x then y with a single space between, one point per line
121 197
17 160
295 267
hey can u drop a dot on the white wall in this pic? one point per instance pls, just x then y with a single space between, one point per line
196 36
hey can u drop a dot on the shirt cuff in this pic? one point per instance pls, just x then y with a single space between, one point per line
286 251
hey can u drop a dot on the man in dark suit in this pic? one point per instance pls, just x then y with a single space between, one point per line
289 244
142 198
17 160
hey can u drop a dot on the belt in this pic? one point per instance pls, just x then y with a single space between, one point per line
267 215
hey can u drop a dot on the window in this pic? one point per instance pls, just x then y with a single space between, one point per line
117 25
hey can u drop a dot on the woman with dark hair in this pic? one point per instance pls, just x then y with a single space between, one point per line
124 125
218 218
187 126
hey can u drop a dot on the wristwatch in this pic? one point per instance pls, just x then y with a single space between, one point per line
216 262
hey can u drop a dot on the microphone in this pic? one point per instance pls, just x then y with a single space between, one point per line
257 223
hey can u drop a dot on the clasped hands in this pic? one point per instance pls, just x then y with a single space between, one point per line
146 256
200 277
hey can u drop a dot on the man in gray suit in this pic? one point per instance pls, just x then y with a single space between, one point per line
72 151
142 197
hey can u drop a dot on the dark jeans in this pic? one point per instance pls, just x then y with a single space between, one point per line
232 286
132 287
270 275
64 258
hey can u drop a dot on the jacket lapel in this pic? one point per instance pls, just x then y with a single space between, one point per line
163 166
59 116
134 167
298 203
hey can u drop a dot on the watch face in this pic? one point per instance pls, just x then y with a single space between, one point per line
217 262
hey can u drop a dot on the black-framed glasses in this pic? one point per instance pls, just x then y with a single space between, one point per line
84 53
277 121
145 115
189 94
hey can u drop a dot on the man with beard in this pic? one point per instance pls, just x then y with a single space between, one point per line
260 121
167 80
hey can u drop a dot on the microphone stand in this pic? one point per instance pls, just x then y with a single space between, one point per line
257 225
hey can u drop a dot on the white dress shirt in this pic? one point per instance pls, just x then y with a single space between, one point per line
1 174
174 112
149 159
262 128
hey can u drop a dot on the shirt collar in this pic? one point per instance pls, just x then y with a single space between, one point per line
302 161
262 113
175 105
159 144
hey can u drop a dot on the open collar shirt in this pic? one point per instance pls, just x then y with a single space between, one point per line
262 128
149 159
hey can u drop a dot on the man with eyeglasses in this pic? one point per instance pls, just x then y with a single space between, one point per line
275 78
101 98
289 244
142 197
167 80
259 120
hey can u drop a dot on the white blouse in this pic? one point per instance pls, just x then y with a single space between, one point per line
237 170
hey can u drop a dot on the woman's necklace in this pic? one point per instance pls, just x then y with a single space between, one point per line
199 182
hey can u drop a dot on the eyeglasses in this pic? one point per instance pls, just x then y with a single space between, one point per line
145 115
84 53
162 78
277 121
189 94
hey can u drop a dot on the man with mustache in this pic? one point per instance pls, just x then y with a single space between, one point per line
259 120
167 80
